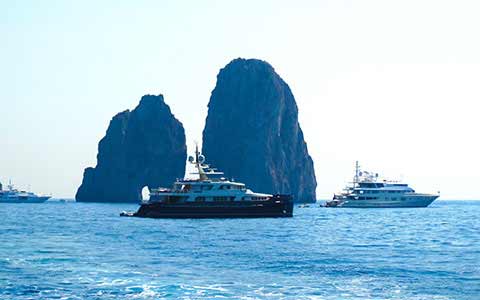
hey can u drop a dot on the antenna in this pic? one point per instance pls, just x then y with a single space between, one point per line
196 152
199 159
357 171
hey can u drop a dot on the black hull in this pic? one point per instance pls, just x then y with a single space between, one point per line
278 206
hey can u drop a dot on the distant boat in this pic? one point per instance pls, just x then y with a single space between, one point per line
12 195
368 192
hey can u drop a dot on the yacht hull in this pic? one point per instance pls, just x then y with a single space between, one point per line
277 206
422 201
24 199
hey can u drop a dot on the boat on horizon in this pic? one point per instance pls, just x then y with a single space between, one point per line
367 191
211 196
12 195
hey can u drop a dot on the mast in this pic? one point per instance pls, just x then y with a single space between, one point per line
203 169
357 171
197 153
198 164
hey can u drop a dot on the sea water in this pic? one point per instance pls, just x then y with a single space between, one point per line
86 251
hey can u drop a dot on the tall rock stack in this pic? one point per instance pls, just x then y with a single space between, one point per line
252 131
143 147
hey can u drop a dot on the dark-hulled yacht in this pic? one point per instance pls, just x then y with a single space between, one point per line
211 197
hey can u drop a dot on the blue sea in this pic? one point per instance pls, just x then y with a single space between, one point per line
86 251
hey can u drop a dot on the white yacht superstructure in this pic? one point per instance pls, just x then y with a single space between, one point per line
368 191
206 188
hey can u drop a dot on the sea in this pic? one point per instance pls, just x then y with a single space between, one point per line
73 250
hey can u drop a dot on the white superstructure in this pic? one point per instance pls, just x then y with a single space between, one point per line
209 187
368 191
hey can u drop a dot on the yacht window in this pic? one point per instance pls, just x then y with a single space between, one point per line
196 188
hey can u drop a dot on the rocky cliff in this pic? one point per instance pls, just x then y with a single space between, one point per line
252 131
143 147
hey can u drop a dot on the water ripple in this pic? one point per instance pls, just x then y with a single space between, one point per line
85 251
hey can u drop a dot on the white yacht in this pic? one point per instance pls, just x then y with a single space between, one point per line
12 195
368 191
211 196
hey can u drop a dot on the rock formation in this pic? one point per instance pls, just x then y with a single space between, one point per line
144 147
252 131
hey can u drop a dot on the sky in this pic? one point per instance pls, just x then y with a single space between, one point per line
392 84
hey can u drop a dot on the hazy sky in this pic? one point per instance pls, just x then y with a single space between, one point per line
393 84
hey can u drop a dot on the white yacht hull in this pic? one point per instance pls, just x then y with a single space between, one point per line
39 199
412 201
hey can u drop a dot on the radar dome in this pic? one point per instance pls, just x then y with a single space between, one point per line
201 158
